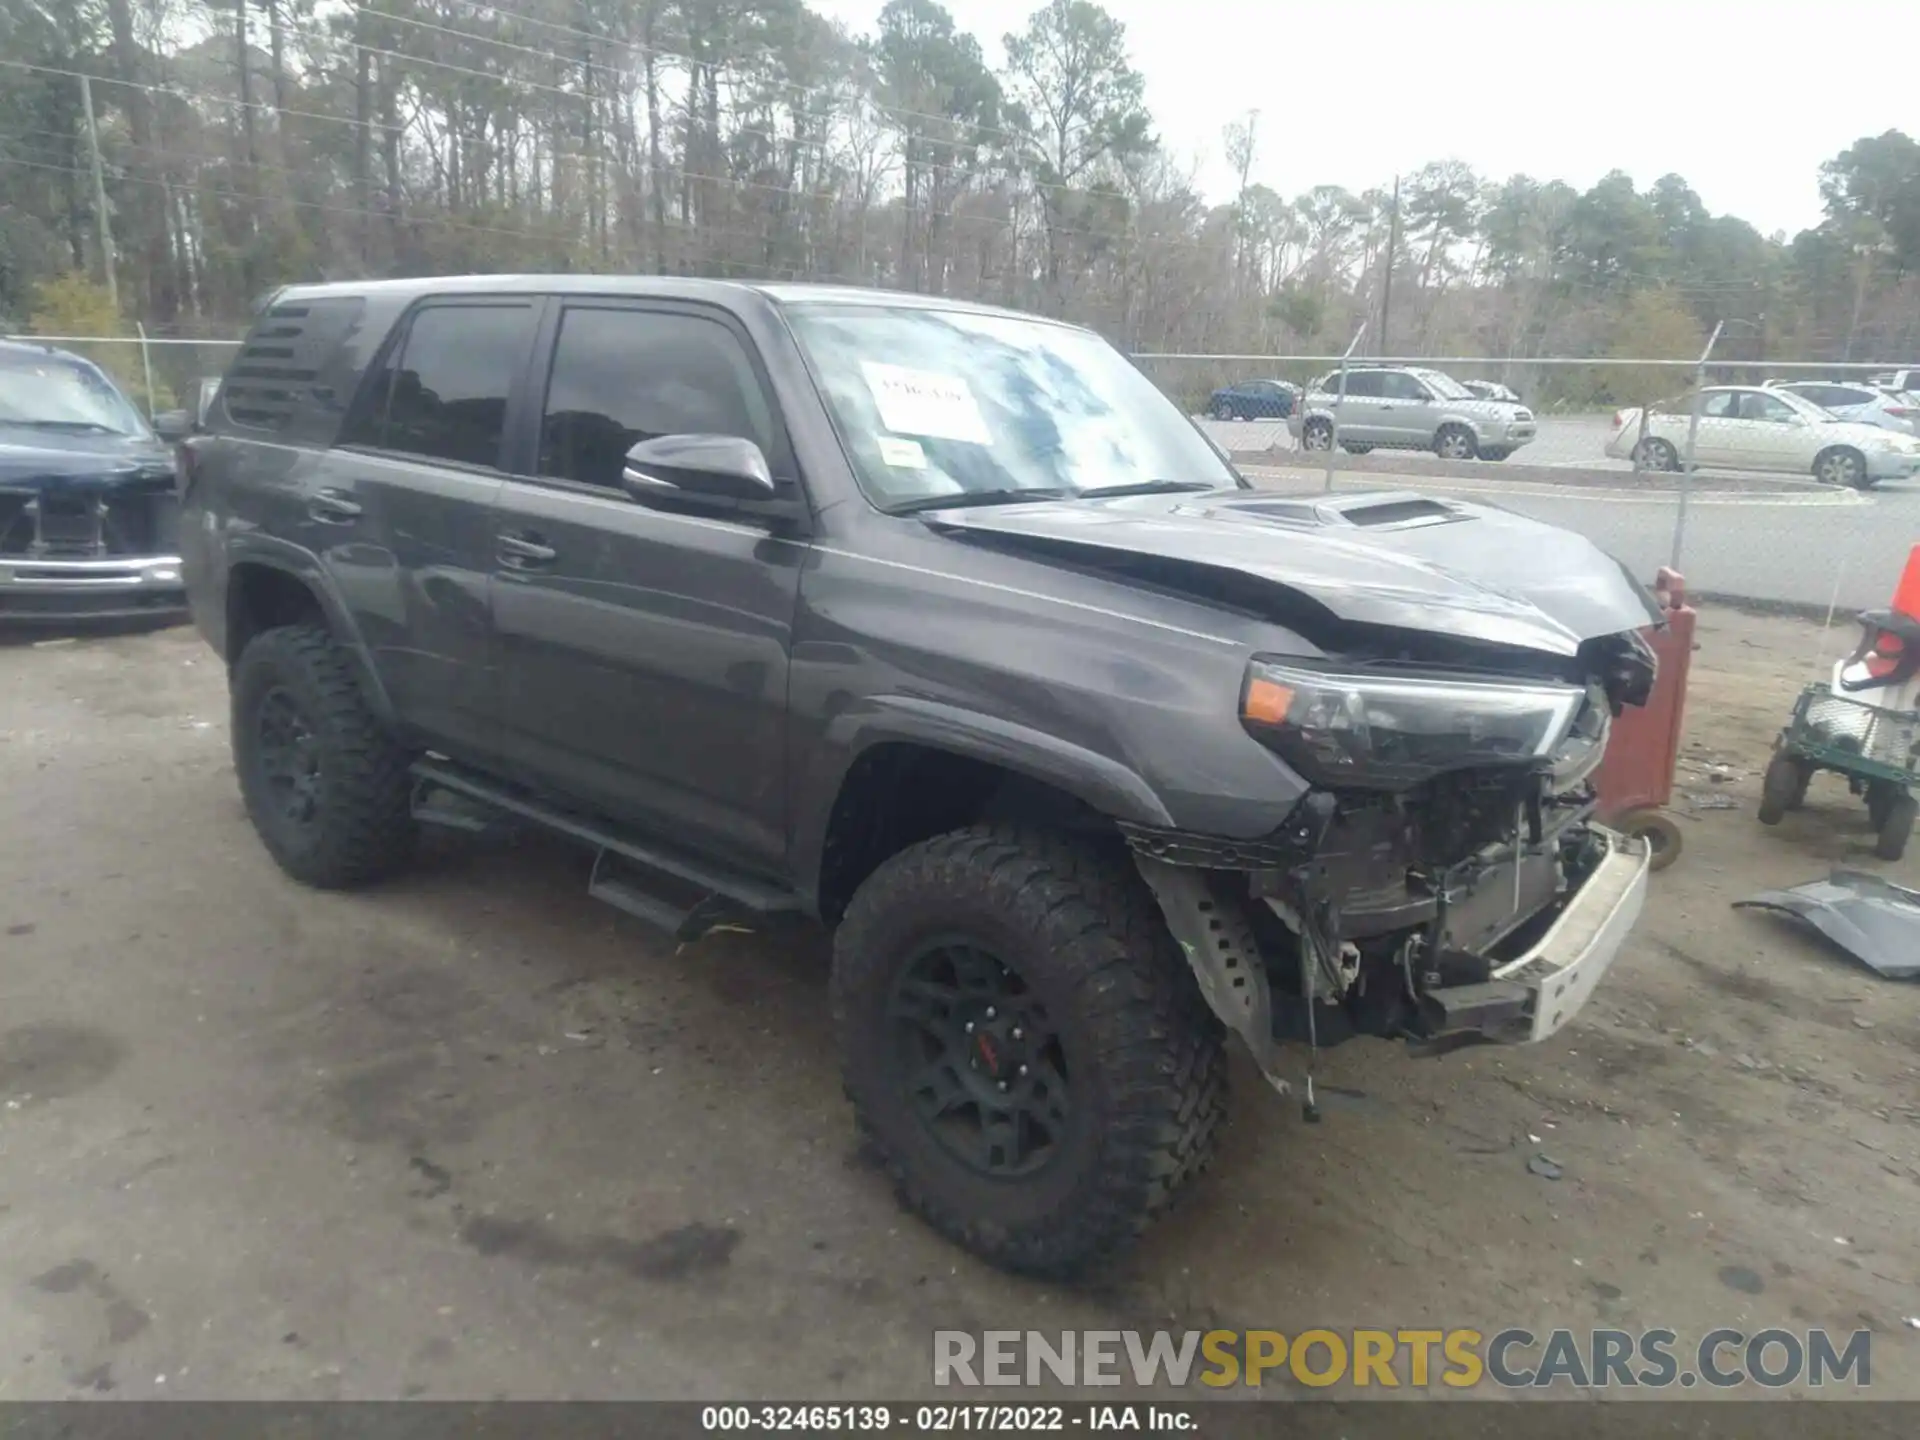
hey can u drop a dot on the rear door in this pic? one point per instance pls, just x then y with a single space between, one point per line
1721 441
643 652
1363 415
405 507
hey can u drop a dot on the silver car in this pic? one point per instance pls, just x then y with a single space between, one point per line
1405 407
1864 404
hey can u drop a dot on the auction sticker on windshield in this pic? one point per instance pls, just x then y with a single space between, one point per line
925 403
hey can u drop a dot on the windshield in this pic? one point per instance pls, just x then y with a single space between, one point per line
946 402
1445 386
48 392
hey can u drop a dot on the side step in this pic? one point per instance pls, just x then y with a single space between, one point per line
684 897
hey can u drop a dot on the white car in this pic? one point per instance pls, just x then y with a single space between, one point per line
1748 427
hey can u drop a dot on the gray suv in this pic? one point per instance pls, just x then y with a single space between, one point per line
1408 408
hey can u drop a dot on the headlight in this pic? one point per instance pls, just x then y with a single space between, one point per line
1388 731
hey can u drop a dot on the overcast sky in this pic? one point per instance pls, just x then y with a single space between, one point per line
1743 99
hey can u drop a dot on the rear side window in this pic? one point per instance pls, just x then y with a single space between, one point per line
279 377
1365 384
623 376
442 393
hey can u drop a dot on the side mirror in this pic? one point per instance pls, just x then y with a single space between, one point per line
723 467
173 426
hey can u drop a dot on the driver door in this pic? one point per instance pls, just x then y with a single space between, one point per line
642 652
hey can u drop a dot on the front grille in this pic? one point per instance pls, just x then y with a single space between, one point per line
85 526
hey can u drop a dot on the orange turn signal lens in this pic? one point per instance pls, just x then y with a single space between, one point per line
1266 703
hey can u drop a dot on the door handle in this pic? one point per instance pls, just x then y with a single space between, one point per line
524 552
330 507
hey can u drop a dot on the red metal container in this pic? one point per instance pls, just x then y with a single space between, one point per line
1635 780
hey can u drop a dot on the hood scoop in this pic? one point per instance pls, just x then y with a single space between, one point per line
1394 509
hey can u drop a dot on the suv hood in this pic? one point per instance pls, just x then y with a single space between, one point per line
1390 559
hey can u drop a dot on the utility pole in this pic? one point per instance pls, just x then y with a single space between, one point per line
1386 282
100 219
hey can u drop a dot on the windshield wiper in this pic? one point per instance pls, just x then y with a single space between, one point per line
962 499
1155 487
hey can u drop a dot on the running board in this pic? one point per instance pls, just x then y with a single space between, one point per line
630 875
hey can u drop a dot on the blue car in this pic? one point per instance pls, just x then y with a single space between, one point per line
1254 400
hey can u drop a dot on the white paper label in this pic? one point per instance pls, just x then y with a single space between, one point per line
925 402
902 454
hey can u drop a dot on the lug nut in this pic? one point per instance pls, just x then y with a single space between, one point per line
1018 1033
1003 1085
991 1012
1023 1069
969 1027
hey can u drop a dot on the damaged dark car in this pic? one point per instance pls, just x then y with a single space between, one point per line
942 626
88 509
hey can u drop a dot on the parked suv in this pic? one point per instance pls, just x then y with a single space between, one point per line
87 503
942 625
1409 408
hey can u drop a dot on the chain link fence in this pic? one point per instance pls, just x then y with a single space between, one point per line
1787 482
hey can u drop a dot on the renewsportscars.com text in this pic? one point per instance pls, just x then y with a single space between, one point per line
1390 1359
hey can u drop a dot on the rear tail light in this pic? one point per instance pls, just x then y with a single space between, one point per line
1619 419
1902 412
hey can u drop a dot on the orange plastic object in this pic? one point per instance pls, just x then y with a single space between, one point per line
1635 780
1906 597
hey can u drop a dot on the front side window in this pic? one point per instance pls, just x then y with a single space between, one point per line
443 394
623 376
51 392
945 402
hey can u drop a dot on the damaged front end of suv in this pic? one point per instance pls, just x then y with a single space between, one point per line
1443 880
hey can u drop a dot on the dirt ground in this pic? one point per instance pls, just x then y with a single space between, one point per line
472 1136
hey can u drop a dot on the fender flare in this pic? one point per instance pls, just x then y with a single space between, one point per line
1100 781
303 566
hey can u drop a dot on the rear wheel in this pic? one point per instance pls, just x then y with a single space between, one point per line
1356 449
1222 410
1024 1044
1317 435
1841 466
1455 442
327 788
1655 454
1895 827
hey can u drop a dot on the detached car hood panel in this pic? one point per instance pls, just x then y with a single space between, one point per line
1392 559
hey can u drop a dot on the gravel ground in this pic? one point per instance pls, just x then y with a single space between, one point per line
471 1135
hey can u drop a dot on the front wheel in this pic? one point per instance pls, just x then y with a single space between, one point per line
1455 443
327 788
1843 467
1895 827
1783 787
1024 1045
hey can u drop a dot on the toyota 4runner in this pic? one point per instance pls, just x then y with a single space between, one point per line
941 625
